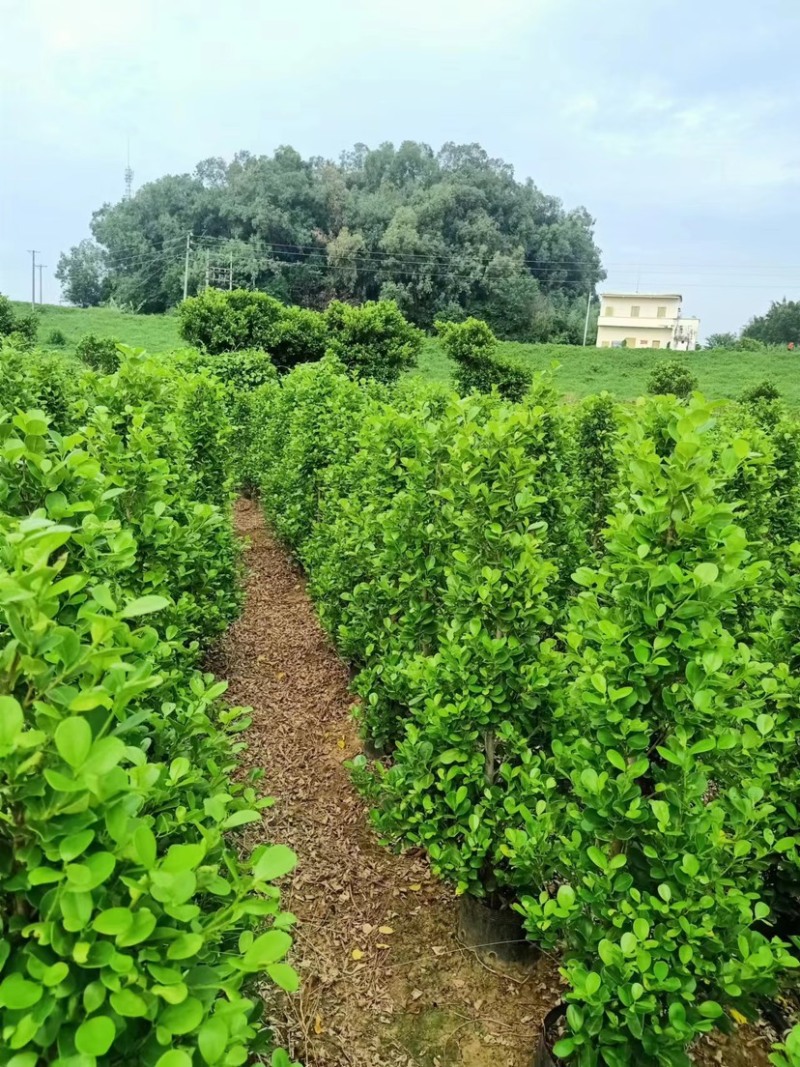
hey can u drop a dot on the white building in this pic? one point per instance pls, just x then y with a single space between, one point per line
645 320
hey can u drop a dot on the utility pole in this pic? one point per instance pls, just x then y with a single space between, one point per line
40 267
586 323
186 266
230 275
34 253
208 267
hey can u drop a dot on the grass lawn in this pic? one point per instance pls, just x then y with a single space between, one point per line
624 373
580 371
156 333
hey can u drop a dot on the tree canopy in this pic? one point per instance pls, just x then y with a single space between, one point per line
779 326
445 234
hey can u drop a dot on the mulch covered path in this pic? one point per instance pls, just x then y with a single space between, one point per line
385 981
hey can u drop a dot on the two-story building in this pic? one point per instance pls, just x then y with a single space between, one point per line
645 320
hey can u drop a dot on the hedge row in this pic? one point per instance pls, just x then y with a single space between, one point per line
132 925
575 638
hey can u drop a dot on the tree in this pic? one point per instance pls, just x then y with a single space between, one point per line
448 234
722 340
779 326
83 274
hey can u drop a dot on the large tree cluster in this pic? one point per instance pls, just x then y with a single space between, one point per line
446 234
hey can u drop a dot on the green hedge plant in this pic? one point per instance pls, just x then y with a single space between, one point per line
663 758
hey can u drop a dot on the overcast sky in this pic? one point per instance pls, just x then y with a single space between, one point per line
675 122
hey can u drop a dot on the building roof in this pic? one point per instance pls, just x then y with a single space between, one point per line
641 296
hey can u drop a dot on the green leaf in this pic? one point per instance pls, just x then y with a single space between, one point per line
565 896
129 1004
73 739
565 1047
706 573
597 857
176 1057
17 992
144 605
182 1018
184 946
96 1036
284 976
691 864
212 1040
274 862
616 759
12 721
266 949
113 921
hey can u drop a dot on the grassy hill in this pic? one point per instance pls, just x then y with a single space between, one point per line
156 333
580 371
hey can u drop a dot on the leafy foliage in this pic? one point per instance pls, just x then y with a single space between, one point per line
373 340
437 232
575 638
84 275
671 376
778 326
99 353
472 346
130 924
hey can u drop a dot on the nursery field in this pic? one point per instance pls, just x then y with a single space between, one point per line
581 371
349 719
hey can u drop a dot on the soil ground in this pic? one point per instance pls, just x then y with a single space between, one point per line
386 982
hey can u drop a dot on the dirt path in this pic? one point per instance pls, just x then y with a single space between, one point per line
385 982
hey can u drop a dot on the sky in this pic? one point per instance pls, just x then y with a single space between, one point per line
676 124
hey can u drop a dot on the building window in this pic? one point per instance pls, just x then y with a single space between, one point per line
606 344
656 344
661 314
609 311
635 311
643 343
630 342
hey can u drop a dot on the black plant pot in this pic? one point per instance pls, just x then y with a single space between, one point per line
494 933
373 751
542 1057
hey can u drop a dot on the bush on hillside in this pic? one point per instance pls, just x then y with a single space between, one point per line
472 346
763 391
217 321
671 377
6 316
373 340
57 338
99 353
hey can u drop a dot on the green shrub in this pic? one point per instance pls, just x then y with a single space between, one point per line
479 695
473 346
300 427
663 753
57 338
6 316
596 464
218 321
131 924
301 336
765 390
373 340
99 353
44 380
671 376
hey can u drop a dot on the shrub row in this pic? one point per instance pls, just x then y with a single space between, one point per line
132 925
575 636
373 340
